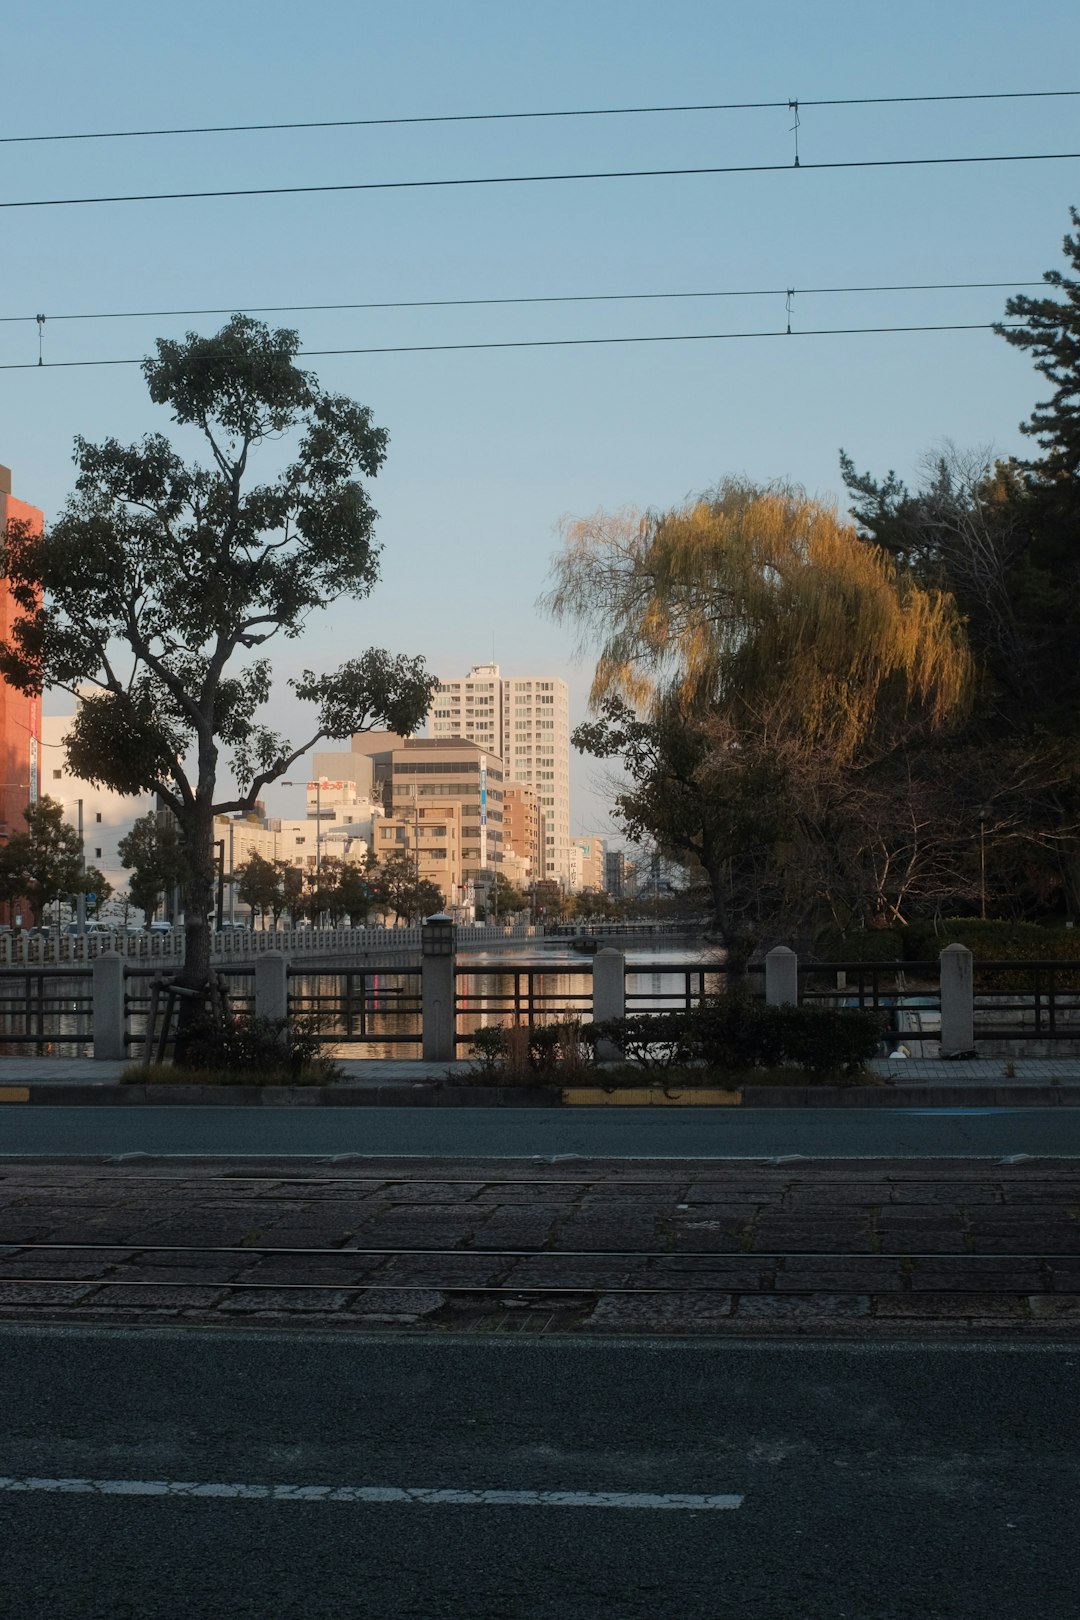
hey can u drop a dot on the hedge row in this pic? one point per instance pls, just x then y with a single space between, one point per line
740 1034
989 941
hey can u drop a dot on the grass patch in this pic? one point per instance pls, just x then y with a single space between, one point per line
318 1073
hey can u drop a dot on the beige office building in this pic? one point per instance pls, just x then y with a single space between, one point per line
526 722
445 810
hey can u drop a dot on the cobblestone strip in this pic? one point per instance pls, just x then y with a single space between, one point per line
889 1246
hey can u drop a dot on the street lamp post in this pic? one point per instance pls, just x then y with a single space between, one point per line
80 898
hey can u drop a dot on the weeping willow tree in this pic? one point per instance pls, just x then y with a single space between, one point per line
756 622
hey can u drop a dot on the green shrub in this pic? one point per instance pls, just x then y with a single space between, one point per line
515 1054
998 941
253 1048
651 1040
864 945
738 1034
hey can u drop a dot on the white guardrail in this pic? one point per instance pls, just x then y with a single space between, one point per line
231 944
27 949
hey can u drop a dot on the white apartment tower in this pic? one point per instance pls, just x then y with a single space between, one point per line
526 722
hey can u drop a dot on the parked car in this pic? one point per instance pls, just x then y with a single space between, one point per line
161 927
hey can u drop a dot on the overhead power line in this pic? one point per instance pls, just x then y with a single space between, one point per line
503 117
535 179
557 343
553 298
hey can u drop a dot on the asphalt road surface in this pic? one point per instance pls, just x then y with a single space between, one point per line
521 1132
165 1474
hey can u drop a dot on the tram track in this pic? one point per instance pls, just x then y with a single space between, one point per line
489 1246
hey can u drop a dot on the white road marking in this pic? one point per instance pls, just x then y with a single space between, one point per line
376 1494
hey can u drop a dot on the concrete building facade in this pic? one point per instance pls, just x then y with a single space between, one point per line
525 720
20 716
522 825
446 812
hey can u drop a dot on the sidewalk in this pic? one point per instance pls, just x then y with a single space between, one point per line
975 1073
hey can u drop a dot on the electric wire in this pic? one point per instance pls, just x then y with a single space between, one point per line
549 113
476 303
559 343
534 179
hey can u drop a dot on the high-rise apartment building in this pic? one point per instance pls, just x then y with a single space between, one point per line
20 716
525 720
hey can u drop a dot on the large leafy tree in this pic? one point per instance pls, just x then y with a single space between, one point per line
1004 539
164 580
45 862
399 889
156 855
749 645
259 886
1049 327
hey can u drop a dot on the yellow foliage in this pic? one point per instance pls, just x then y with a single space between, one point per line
762 602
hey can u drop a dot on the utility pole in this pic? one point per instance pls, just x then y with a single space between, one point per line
80 898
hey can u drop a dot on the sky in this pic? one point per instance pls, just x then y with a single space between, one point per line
490 449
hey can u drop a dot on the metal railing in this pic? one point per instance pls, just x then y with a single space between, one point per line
1040 1001
138 998
695 986
359 1004
520 996
43 1007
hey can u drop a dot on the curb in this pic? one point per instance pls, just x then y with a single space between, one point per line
426 1094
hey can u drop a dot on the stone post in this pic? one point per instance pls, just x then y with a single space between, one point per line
438 987
781 977
957 1002
608 996
608 984
272 985
437 1007
110 1019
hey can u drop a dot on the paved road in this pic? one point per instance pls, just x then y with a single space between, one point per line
824 1481
521 1132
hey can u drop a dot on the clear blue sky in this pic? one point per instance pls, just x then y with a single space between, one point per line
488 450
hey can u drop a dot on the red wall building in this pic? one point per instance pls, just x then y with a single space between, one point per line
19 716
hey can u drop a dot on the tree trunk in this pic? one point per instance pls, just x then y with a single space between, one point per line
199 902
198 829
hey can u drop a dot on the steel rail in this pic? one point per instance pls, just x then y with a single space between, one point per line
549 1254
384 1288
513 1290
392 1181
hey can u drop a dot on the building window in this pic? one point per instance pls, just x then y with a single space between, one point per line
56 775
98 816
97 854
